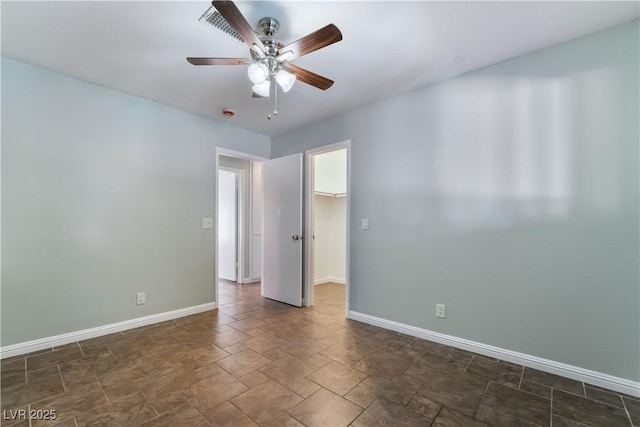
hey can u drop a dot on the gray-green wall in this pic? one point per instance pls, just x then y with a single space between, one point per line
509 194
103 196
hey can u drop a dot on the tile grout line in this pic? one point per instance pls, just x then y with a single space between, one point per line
240 410
109 348
197 410
64 387
590 398
467 367
356 417
624 405
102 388
551 409
438 414
152 405
521 379
81 350
300 421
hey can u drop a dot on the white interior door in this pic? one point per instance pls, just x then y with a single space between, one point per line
227 226
282 229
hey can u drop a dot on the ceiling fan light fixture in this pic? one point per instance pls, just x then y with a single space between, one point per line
285 79
262 89
258 73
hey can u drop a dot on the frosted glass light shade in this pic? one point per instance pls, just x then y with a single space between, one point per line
258 73
285 79
263 88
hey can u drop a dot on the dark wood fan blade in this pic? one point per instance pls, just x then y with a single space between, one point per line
232 15
309 77
323 37
219 61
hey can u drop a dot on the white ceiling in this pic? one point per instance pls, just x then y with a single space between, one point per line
388 47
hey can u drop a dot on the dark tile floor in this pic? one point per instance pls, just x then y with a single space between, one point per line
258 362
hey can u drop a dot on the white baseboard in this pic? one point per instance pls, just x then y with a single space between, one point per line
330 279
607 381
58 340
250 280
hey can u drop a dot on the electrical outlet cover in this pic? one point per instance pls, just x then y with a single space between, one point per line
440 310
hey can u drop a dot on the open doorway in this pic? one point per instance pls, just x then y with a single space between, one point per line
327 219
230 222
238 221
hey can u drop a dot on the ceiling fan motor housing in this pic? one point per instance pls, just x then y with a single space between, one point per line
268 26
272 46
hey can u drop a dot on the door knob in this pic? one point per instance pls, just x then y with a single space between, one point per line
296 237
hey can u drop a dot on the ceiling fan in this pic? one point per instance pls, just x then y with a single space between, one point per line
270 59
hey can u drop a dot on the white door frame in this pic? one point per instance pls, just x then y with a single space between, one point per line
231 153
309 232
239 173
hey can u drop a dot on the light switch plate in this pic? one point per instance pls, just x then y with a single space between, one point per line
365 223
207 222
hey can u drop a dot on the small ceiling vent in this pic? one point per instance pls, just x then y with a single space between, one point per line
213 17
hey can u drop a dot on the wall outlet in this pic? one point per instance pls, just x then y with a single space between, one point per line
207 222
141 298
440 310
365 223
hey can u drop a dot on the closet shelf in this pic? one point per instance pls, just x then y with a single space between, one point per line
322 193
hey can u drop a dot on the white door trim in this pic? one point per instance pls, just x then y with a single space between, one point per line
254 276
308 279
232 153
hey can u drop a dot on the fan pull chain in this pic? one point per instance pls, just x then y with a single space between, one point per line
275 99
269 105
273 88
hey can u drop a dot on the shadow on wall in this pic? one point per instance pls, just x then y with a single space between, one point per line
537 166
